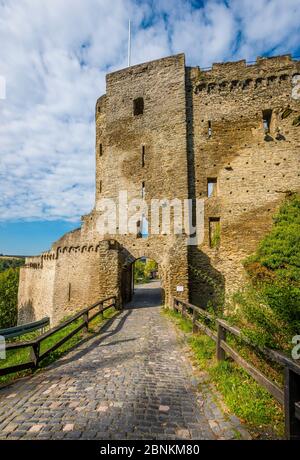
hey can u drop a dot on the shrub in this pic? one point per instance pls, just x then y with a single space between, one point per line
269 307
9 281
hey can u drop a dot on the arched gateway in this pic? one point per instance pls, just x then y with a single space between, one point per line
167 132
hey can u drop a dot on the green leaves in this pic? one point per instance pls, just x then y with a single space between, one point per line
9 282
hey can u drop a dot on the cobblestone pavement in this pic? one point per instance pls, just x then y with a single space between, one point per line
134 381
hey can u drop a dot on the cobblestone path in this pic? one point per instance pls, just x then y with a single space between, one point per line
133 381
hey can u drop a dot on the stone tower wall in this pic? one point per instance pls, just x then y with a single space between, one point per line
252 170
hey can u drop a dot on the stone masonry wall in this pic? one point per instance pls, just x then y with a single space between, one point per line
253 169
196 126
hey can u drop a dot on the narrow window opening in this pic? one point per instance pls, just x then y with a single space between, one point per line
212 186
209 129
267 117
69 292
139 229
100 150
214 232
143 190
144 227
143 156
138 106
100 186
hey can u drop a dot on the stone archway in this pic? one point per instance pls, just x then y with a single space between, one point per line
128 283
140 286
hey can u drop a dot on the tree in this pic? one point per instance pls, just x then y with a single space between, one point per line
150 266
9 282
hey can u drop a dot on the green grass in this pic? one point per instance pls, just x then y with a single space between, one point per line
14 357
242 395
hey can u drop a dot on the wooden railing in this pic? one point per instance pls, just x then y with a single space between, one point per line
289 397
35 344
17 331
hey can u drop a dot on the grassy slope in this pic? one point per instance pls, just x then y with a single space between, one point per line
242 395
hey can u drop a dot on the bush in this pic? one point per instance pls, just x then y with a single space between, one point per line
9 282
269 307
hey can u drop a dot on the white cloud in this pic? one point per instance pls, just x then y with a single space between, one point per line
54 56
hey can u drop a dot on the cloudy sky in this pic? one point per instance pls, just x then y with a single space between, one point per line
54 55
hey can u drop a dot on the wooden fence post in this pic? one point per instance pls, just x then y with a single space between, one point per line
35 353
291 396
183 310
86 320
194 321
221 355
100 309
174 304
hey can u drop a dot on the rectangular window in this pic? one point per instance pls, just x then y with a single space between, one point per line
100 150
214 232
143 156
100 186
69 292
138 106
209 129
211 186
267 117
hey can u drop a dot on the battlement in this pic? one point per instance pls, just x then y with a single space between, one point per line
232 76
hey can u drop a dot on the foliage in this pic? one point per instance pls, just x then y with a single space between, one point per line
10 263
269 307
9 282
216 236
143 270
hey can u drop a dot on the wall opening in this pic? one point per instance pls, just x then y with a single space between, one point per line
214 232
100 186
139 229
100 150
212 186
267 118
138 106
209 128
143 156
143 191
141 284
69 292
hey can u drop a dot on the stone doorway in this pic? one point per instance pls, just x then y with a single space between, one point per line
141 283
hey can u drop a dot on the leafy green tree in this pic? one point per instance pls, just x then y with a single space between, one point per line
150 267
9 282
10 263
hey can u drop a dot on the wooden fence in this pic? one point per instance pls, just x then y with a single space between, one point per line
87 315
17 331
289 396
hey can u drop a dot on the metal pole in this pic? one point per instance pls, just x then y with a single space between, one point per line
129 42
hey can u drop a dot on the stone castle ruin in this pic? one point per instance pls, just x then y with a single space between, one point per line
229 135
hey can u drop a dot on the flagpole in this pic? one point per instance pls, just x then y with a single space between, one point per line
129 43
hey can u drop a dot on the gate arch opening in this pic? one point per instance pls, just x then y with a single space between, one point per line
141 284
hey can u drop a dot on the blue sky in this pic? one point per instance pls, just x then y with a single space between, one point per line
54 56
